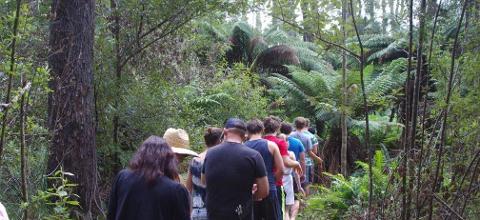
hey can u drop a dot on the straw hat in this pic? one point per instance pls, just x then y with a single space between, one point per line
178 140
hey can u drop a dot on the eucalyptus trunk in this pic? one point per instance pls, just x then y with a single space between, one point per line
71 64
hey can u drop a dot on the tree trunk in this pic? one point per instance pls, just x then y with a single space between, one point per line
384 16
118 68
370 7
343 155
307 33
10 79
71 63
23 147
391 14
416 96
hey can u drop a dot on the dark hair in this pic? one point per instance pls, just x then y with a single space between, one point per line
286 128
255 126
300 122
212 136
312 130
236 126
271 124
154 159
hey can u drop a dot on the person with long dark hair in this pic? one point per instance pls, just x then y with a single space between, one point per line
149 188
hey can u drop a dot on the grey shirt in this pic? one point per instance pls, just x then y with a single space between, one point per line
307 143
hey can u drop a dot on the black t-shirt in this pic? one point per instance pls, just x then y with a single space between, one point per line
230 170
131 198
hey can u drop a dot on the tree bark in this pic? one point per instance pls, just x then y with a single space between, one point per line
307 31
71 62
118 69
415 100
344 149
23 146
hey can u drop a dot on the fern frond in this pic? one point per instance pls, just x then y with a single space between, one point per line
287 84
389 51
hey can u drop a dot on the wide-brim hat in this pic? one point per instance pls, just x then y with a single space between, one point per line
178 140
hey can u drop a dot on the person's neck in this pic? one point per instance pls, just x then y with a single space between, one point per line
233 139
271 134
255 136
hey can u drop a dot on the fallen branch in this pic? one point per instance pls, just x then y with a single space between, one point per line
447 206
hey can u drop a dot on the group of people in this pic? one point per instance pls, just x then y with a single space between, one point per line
249 170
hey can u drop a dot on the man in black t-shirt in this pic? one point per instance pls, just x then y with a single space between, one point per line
230 171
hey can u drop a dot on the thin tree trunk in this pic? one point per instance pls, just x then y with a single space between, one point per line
10 79
415 100
391 14
71 62
307 33
422 137
445 111
384 16
118 68
366 111
344 149
23 148
408 98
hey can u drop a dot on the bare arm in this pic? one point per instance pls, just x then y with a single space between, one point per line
302 160
262 188
203 179
189 182
314 156
277 159
293 164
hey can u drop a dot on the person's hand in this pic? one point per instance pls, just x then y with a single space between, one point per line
302 191
298 169
302 178
254 189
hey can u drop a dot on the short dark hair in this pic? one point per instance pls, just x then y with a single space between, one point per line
255 126
286 128
300 122
271 124
312 130
212 136
236 126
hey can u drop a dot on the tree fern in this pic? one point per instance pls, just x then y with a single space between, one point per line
394 48
290 86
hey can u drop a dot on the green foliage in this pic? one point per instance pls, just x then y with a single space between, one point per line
57 201
320 91
347 197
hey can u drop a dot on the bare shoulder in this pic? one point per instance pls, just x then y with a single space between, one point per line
272 146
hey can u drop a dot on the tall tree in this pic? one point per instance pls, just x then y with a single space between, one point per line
343 117
306 13
72 113
10 78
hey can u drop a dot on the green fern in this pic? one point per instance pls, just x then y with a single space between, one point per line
346 194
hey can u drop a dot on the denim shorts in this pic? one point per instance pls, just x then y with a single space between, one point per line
199 214
308 175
